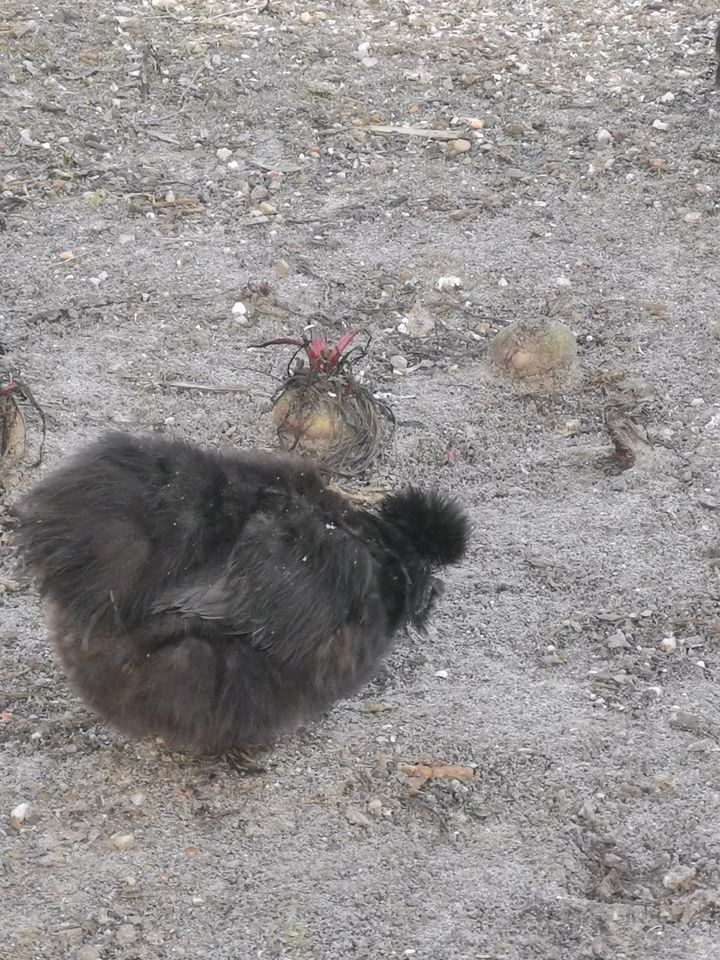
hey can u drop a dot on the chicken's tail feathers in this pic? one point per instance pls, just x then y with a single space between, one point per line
434 523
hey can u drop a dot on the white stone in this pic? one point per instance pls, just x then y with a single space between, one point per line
449 283
668 644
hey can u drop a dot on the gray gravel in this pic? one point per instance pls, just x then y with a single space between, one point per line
158 163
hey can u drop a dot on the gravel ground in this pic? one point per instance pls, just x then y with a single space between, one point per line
160 162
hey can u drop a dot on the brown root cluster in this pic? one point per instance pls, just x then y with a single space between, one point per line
333 419
12 433
13 427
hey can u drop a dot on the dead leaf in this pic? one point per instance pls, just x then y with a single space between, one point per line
610 885
364 495
659 310
419 774
690 906
631 442
12 434
697 903
206 387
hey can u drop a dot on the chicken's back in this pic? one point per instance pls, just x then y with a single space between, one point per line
128 516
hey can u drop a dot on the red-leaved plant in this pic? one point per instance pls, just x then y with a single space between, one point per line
322 358
322 411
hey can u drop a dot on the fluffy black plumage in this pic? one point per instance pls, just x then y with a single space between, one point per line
218 599
431 522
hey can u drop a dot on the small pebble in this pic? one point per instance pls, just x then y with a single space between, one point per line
123 841
617 641
459 146
282 269
357 818
449 283
668 644
502 282
442 674
19 814
239 309
223 154
375 807
667 97
266 208
604 136
258 193
233 165
399 364
660 125
306 18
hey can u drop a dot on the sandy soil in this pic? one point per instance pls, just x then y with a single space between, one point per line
136 145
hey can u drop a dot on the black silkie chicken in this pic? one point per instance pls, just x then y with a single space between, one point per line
219 599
